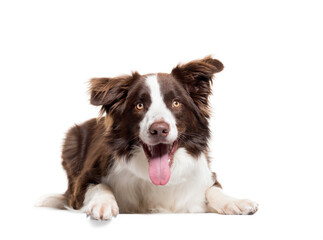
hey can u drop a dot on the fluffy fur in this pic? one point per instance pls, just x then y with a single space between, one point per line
149 153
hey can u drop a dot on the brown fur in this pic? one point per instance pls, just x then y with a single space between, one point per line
196 76
85 158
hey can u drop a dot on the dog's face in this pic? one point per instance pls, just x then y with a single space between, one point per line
158 113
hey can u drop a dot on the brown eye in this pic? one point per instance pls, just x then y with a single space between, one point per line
176 104
140 106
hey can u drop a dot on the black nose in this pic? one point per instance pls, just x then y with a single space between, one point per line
159 129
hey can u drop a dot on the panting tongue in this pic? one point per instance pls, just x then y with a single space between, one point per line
159 170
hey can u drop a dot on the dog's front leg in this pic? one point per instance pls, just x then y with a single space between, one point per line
100 203
219 202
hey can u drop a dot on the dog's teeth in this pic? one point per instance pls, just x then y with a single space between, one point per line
168 160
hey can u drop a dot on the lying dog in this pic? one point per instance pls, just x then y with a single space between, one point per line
149 153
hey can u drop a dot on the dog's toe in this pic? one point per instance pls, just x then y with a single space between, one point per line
102 211
241 207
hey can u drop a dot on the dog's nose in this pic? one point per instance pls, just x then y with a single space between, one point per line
159 129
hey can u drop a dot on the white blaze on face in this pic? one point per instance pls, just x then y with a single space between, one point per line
157 111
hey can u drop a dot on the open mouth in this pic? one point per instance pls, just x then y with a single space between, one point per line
160 157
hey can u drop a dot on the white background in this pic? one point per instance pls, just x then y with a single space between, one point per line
268 113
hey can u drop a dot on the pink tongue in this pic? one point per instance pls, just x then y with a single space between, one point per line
159 170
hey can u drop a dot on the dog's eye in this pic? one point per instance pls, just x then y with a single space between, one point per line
176 104
140 106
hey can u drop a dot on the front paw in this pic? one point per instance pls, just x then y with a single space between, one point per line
236 207
99 210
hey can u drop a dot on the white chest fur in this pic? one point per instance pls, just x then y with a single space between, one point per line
185 191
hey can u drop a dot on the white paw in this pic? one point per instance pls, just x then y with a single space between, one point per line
238 207
100 210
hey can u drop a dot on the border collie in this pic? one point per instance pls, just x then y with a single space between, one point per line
148 151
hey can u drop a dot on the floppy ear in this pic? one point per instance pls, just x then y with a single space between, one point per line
110 92
196 76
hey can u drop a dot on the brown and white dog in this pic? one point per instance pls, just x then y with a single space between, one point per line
149 153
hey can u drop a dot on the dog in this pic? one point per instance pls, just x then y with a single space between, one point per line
147 152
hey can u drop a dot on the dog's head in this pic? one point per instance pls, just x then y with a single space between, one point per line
158 113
